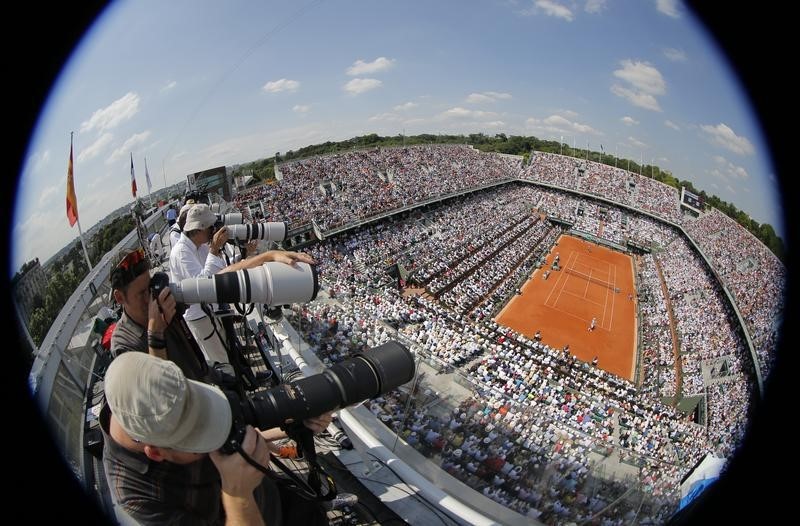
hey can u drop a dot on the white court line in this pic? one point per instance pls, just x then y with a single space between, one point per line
587 300
587 284
583 320
561 275
613 299
605 306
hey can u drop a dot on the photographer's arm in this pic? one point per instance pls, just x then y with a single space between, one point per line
239 480
281 256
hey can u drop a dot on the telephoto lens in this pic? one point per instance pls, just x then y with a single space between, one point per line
365 375
272 284
273 231
231 219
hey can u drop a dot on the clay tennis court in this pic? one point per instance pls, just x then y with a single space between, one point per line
594 283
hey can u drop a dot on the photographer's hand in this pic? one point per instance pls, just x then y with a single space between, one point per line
219 240
160 312
251 248
290 258
320 423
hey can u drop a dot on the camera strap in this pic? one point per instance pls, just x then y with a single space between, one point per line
311 489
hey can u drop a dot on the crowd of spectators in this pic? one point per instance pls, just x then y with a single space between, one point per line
342 188
755 277
605 181
561 396
526 440
658 355
706 331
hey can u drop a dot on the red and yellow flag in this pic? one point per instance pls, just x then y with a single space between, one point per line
72 201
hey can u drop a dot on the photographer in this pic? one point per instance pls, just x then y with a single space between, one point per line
197 254
146 323
162 432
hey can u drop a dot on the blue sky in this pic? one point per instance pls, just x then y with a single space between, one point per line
192 85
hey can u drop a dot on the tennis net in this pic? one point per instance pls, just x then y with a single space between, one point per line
581 275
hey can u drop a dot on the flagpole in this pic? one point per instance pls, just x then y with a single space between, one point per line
164 172
77 219
147 177
83 244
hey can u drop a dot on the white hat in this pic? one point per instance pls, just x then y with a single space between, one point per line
156 404
199 217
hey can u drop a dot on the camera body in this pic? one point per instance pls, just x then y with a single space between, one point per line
363 376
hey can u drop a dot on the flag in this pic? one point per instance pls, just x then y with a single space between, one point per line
133 179
72 200
601 149
147 176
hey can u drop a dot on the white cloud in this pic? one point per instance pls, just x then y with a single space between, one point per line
730 189
301 108
639 99
405 107
645 83
629 121
728 171
567 113
96 148
675 55
360 67
463 113
487 96
127 147
39 161
169 86
114 114
385 117
277 86
643 76
359 86
669 124
668 7
559 124
595 6
723 136
48 191
494 124
636 143
552 8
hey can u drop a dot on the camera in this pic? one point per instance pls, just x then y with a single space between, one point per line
272 283
273 231
233 218
363 376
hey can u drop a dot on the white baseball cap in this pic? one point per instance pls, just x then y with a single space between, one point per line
156 404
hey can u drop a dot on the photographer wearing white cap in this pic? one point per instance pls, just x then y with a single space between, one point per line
197 254
161 436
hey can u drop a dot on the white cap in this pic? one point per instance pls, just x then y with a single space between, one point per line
156 404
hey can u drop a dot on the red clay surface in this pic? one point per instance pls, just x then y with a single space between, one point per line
563 305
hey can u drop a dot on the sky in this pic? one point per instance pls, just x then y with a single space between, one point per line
191 85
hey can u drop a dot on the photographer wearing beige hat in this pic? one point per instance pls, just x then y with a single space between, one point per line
162 433
197 254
